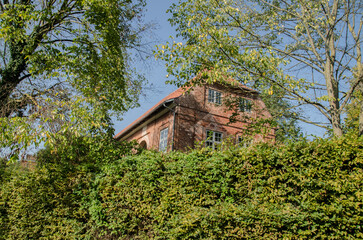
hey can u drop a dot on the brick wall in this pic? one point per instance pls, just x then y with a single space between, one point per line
194 115
149 134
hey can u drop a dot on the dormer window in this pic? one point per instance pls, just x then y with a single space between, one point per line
245 105
214 96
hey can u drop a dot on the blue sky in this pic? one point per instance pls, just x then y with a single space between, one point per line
155 70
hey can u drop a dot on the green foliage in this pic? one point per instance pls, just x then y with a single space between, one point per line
51 202
65 67
303 190
295 47
83 45
2 169
41 205
353 111
283 117
54 126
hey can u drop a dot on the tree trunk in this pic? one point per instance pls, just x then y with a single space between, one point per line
360 91
7 105
333 94
5 93
332 86
10 77
336 124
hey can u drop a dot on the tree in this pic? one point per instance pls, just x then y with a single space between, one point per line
284 119
310 50
79 43
352 111
65 61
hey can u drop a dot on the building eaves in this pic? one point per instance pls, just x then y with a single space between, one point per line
170 98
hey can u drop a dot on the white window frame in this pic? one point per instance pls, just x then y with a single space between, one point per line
244 104
243 142
214 96
163 140
213 139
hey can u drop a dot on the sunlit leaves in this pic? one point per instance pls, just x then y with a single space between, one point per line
65 65
306 48
99 189
83 43
51 123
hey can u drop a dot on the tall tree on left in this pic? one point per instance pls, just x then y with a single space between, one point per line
83 44
53 52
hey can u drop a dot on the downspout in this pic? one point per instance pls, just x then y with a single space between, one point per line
172 137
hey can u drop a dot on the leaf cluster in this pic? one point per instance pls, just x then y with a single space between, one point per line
303 190
65 68
51 201
309 50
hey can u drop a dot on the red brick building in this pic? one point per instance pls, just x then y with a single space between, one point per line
201 113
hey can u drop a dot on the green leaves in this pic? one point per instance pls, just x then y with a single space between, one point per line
52 123
65 67
214 41
295 46
94 188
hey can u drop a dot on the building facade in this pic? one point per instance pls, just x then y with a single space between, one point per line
206 114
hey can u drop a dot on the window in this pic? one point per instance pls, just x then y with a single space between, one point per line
214 96
245 105
213 139
163 140
244 142
143 145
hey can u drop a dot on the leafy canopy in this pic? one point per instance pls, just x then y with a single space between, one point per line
65 65
309 51
301 190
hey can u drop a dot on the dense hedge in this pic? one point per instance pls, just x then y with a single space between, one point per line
305 190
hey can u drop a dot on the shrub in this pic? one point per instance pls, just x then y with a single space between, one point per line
303 190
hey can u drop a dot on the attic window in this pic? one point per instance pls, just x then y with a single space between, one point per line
245 105
214 96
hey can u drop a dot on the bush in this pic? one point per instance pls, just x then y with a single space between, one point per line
304 190
50 201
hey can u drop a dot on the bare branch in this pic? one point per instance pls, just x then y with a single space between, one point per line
318 124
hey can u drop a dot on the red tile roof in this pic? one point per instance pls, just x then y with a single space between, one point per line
177 93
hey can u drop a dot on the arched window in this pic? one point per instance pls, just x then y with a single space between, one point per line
143 145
